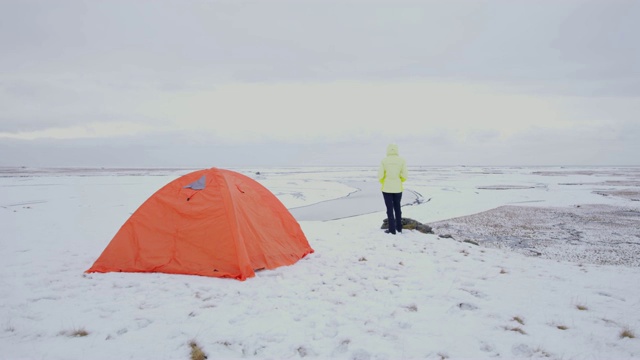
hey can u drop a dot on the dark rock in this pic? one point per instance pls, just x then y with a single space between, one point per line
410 224
471 242
446 236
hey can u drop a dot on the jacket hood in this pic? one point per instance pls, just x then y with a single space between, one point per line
392 149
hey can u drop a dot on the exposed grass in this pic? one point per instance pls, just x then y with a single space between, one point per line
9 328
196 351
580 305
627 333
541 352
516 329
81 332
412 308
302 351
518 319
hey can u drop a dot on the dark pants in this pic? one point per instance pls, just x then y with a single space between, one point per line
392 201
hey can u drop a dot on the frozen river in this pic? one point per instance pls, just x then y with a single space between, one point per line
365 199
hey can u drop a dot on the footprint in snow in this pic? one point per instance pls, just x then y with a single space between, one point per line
475 293
467 306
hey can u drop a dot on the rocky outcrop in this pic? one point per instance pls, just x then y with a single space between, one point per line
410 224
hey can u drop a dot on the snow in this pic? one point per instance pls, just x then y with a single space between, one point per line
363 294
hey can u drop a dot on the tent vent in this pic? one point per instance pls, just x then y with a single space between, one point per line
198 185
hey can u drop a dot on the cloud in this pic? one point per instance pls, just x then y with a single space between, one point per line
85 131
313 111
589 145
481 80
242 113
501 40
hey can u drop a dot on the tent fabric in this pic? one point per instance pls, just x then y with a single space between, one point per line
231 228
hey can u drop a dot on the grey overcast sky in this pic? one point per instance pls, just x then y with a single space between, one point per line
201 83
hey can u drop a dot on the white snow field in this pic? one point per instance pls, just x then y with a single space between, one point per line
555 275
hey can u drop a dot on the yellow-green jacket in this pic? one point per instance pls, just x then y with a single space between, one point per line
393 171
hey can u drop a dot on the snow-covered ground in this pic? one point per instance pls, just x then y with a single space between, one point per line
363 294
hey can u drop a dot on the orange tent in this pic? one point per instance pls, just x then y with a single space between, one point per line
211 222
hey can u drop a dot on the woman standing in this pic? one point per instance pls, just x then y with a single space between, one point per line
391 174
